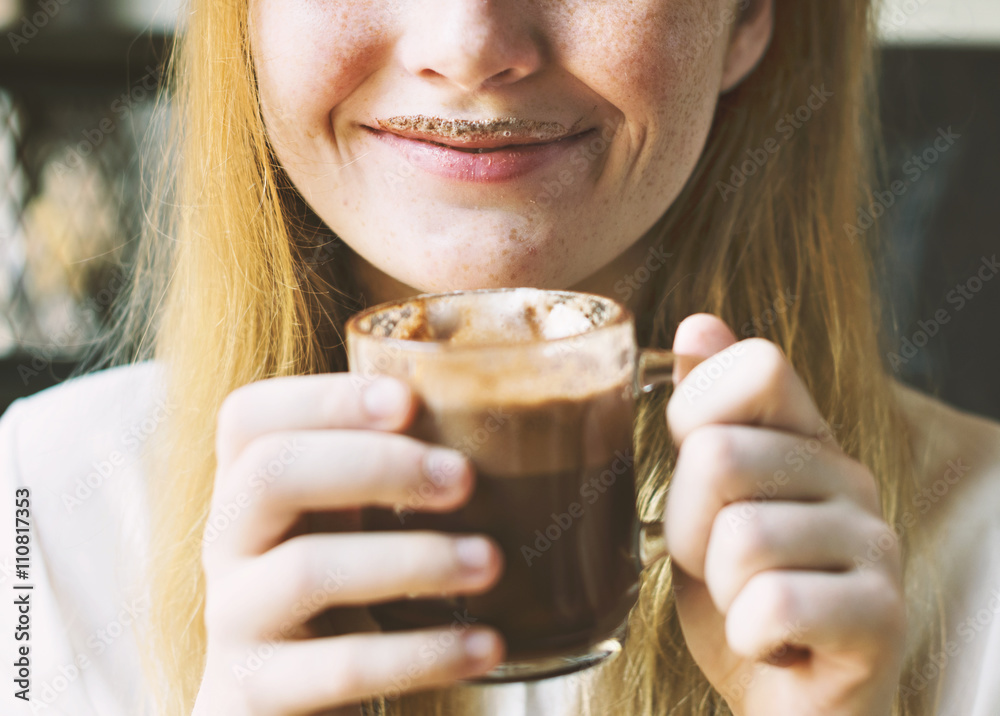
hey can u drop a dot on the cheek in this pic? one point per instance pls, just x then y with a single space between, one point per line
669 62
659 63
310 56
642 49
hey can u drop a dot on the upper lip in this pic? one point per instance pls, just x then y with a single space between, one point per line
490 133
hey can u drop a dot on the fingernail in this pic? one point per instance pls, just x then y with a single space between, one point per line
474 553
480 645
386 398
444 468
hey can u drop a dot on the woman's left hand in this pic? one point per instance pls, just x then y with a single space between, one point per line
768 523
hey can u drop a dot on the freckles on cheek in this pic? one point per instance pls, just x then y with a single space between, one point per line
690 55
677 51
311 57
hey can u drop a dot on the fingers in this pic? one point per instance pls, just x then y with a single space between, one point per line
278 476
856 611
305 575
309 402
700 336
751 383
738 468
826 536
304 677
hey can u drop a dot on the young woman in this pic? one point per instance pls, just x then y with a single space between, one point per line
832 541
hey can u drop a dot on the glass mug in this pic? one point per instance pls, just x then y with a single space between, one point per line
538 389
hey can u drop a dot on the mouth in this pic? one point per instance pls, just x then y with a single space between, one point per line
477 136
477 151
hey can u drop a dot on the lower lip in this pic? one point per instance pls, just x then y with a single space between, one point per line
499 165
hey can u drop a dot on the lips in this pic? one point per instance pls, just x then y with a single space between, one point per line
471 146
478 151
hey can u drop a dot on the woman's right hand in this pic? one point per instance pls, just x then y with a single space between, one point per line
321 443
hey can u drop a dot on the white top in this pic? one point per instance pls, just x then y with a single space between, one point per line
76 447
954 23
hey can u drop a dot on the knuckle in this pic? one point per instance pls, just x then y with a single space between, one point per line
211 560
259 690
218 601
776 598
770 364
886 595
876 530
877 535
345 671
299 557
883 620
262 456
213 610
340 399
714 450
232 410
868 492
748 538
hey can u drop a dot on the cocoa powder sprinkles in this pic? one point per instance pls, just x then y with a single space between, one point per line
471 130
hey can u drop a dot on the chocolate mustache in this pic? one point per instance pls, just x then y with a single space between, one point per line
471 130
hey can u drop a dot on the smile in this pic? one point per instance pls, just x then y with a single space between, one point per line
481 161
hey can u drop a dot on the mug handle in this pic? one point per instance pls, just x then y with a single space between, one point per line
654 367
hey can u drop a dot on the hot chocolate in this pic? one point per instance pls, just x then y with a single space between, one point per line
554 478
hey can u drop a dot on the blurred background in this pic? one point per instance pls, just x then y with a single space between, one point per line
77 82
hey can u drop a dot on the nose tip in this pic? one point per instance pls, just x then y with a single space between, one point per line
472 45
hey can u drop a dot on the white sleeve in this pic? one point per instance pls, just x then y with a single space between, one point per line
987 619
49 681
77 448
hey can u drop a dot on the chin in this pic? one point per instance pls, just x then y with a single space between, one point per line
442 275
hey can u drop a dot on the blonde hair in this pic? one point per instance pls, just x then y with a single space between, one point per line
238 281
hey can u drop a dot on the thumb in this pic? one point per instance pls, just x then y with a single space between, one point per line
698 337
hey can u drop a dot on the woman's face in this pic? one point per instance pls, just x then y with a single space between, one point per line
567 126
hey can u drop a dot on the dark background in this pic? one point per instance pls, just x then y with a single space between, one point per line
65 83
949 221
